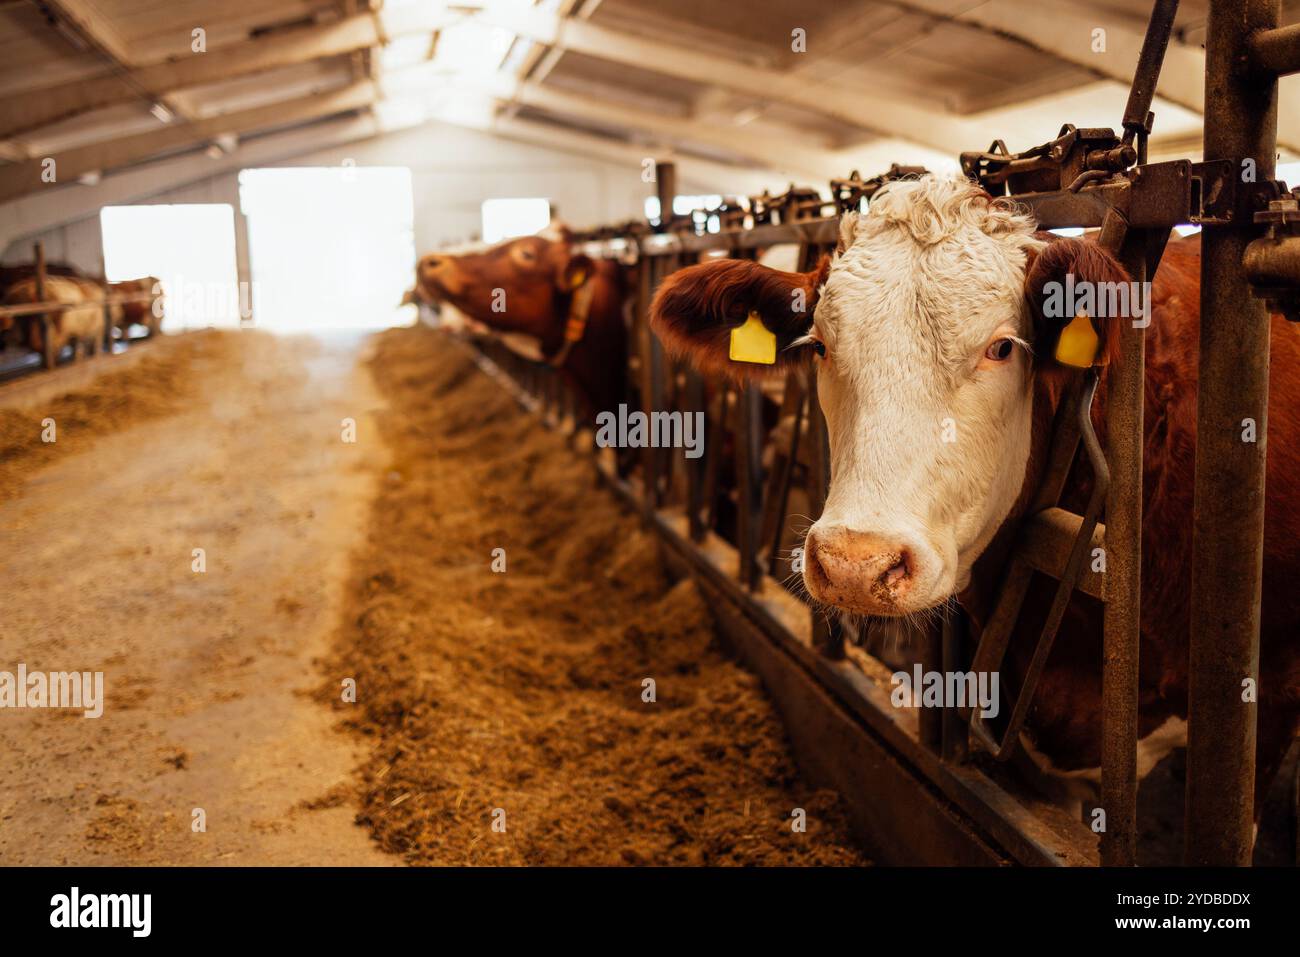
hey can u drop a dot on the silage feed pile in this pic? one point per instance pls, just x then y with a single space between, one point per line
503 711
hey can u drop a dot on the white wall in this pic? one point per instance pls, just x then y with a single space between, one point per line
453 170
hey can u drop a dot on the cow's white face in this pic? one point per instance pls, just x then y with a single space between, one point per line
926 391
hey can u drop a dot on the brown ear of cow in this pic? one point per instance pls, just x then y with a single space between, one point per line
1087 262
577 269
696 309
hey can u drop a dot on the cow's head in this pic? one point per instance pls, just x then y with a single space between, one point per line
926 330
516 285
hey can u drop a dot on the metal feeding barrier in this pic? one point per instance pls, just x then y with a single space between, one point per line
44 310
767 444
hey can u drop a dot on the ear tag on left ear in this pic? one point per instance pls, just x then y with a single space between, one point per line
578 279
752 342
1078 343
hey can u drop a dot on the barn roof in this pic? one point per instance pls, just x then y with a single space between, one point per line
108 85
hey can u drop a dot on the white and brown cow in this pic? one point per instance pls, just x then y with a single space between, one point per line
934 373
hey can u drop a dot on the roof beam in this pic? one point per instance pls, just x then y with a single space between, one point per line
802 162
101 33
30 110
1067 35
20 179
884 117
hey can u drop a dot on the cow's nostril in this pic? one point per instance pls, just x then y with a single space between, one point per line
897 573
897 570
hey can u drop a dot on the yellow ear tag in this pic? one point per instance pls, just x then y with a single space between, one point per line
1078 343
578 279
752 342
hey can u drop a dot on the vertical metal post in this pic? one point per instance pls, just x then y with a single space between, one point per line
695 468
666 191
1123 611
48 353
749 474
651 377
1228 526
929 721
956 732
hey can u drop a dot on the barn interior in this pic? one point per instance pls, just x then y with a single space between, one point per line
360 583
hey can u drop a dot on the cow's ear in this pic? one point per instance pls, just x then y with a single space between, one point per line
697 309
1060 281
575 271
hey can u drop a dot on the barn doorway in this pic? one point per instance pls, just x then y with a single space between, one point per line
189 247
329 248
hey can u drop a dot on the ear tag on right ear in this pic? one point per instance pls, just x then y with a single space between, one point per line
752 342
1078 343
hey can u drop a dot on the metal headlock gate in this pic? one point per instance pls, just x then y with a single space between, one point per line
731 532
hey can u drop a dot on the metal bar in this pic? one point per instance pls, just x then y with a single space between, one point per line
695 468
1123 610
652 360
956 732
666 190
749 473
1277 50
713 457
1228 523
1147 73
929 721
782 506
1045 544
49 355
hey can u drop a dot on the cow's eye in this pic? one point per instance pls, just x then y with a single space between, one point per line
1000 350
818 347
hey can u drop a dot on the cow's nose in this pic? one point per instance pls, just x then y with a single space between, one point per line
861 571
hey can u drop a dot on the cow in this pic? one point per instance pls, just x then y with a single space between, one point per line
567 303
936 371
147 313
81 326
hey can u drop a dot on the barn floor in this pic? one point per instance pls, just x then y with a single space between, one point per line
226 442
482 697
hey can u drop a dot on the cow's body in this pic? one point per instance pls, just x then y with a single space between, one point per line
930 321
82 325
1067 708
526 287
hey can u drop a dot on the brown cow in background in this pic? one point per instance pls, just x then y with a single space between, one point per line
540 288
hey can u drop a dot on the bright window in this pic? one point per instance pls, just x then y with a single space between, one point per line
329 247
191 248
508 218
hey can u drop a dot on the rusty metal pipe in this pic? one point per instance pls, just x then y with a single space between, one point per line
1147 73
1273 262
1123 610
1277 50
1228 523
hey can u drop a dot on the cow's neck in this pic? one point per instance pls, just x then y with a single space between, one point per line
989 569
